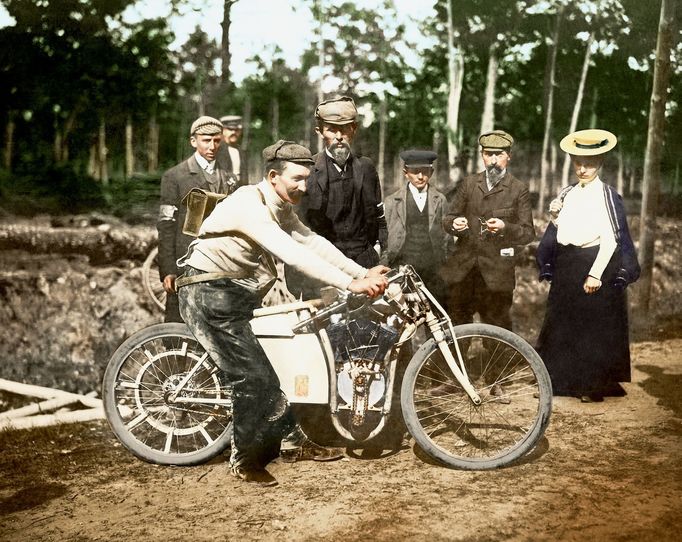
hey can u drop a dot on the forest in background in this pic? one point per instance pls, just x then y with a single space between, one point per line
93 109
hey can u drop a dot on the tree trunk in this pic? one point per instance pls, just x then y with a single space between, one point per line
632 186
320 64
620 177
654 148
246 123
8 151
274 107
102 153
455 83
550 83
225 54
488 117
130 156
578 104
153 145
382 144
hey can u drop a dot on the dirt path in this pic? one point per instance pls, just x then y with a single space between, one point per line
608 471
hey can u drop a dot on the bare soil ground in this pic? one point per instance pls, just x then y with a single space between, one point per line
604 471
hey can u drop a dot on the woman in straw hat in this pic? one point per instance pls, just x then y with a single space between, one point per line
588 255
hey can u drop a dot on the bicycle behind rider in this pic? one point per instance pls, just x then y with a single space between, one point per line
227 271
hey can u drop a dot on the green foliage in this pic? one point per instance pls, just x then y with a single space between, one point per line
53 190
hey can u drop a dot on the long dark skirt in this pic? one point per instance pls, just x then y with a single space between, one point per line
584 339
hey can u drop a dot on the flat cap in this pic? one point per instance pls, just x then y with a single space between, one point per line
417 158
289 152
206 125
337 111
231 120
497 139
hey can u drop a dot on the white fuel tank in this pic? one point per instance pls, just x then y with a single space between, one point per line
298 359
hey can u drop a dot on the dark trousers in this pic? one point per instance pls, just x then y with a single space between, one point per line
218 314
473 295
172 311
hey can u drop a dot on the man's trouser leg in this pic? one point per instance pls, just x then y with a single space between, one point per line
218 313
461 298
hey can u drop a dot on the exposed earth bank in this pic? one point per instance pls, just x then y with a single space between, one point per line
68 297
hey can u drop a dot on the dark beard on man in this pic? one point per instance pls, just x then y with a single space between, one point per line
340 152
494 173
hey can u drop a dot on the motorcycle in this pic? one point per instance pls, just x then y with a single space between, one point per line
472 396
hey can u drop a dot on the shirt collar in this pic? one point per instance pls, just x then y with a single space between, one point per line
591 184
418 193
203 163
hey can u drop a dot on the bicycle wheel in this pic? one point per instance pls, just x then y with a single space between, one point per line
152 283
516 395
138 389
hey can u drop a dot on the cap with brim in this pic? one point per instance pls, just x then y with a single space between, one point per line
231 120
288 151
496 140
337 111
588 142
206 126
418 158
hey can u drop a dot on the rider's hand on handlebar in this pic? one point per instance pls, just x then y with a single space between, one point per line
460 223
377 271
372 286
169 284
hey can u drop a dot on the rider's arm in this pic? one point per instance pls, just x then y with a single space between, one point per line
322 247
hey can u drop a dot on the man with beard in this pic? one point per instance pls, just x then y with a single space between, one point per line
343 200
490 216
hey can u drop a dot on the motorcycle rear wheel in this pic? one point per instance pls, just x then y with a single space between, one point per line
137 393
516 395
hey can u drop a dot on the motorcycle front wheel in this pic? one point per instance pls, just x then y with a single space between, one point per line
512 382
147 415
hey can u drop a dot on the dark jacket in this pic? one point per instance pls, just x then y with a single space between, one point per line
225 161
509 201
313 207
396 220
175 184
628 271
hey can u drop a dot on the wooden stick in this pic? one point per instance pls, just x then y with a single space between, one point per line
53 419
47 393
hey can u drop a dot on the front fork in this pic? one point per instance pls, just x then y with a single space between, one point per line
436 329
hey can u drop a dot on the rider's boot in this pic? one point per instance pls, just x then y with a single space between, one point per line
296 446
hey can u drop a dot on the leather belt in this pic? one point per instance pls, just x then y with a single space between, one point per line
202 277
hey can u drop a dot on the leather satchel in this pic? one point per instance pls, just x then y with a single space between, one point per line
200 203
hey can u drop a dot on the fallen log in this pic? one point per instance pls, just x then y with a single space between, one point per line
41 392
46 420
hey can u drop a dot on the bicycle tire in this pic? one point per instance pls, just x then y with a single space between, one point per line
138 382
516 395
151 279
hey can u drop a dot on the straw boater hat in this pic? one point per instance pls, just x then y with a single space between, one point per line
588 142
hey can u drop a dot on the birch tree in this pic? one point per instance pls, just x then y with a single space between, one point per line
654 148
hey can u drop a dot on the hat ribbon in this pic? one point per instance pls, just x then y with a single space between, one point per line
597 145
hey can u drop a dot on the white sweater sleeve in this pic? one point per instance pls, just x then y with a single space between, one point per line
268 234
324 248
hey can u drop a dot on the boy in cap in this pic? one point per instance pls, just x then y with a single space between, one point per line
414 214
343 201
230 154
201 170
490 215
227 271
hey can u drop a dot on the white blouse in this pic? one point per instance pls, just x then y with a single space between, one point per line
584 222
